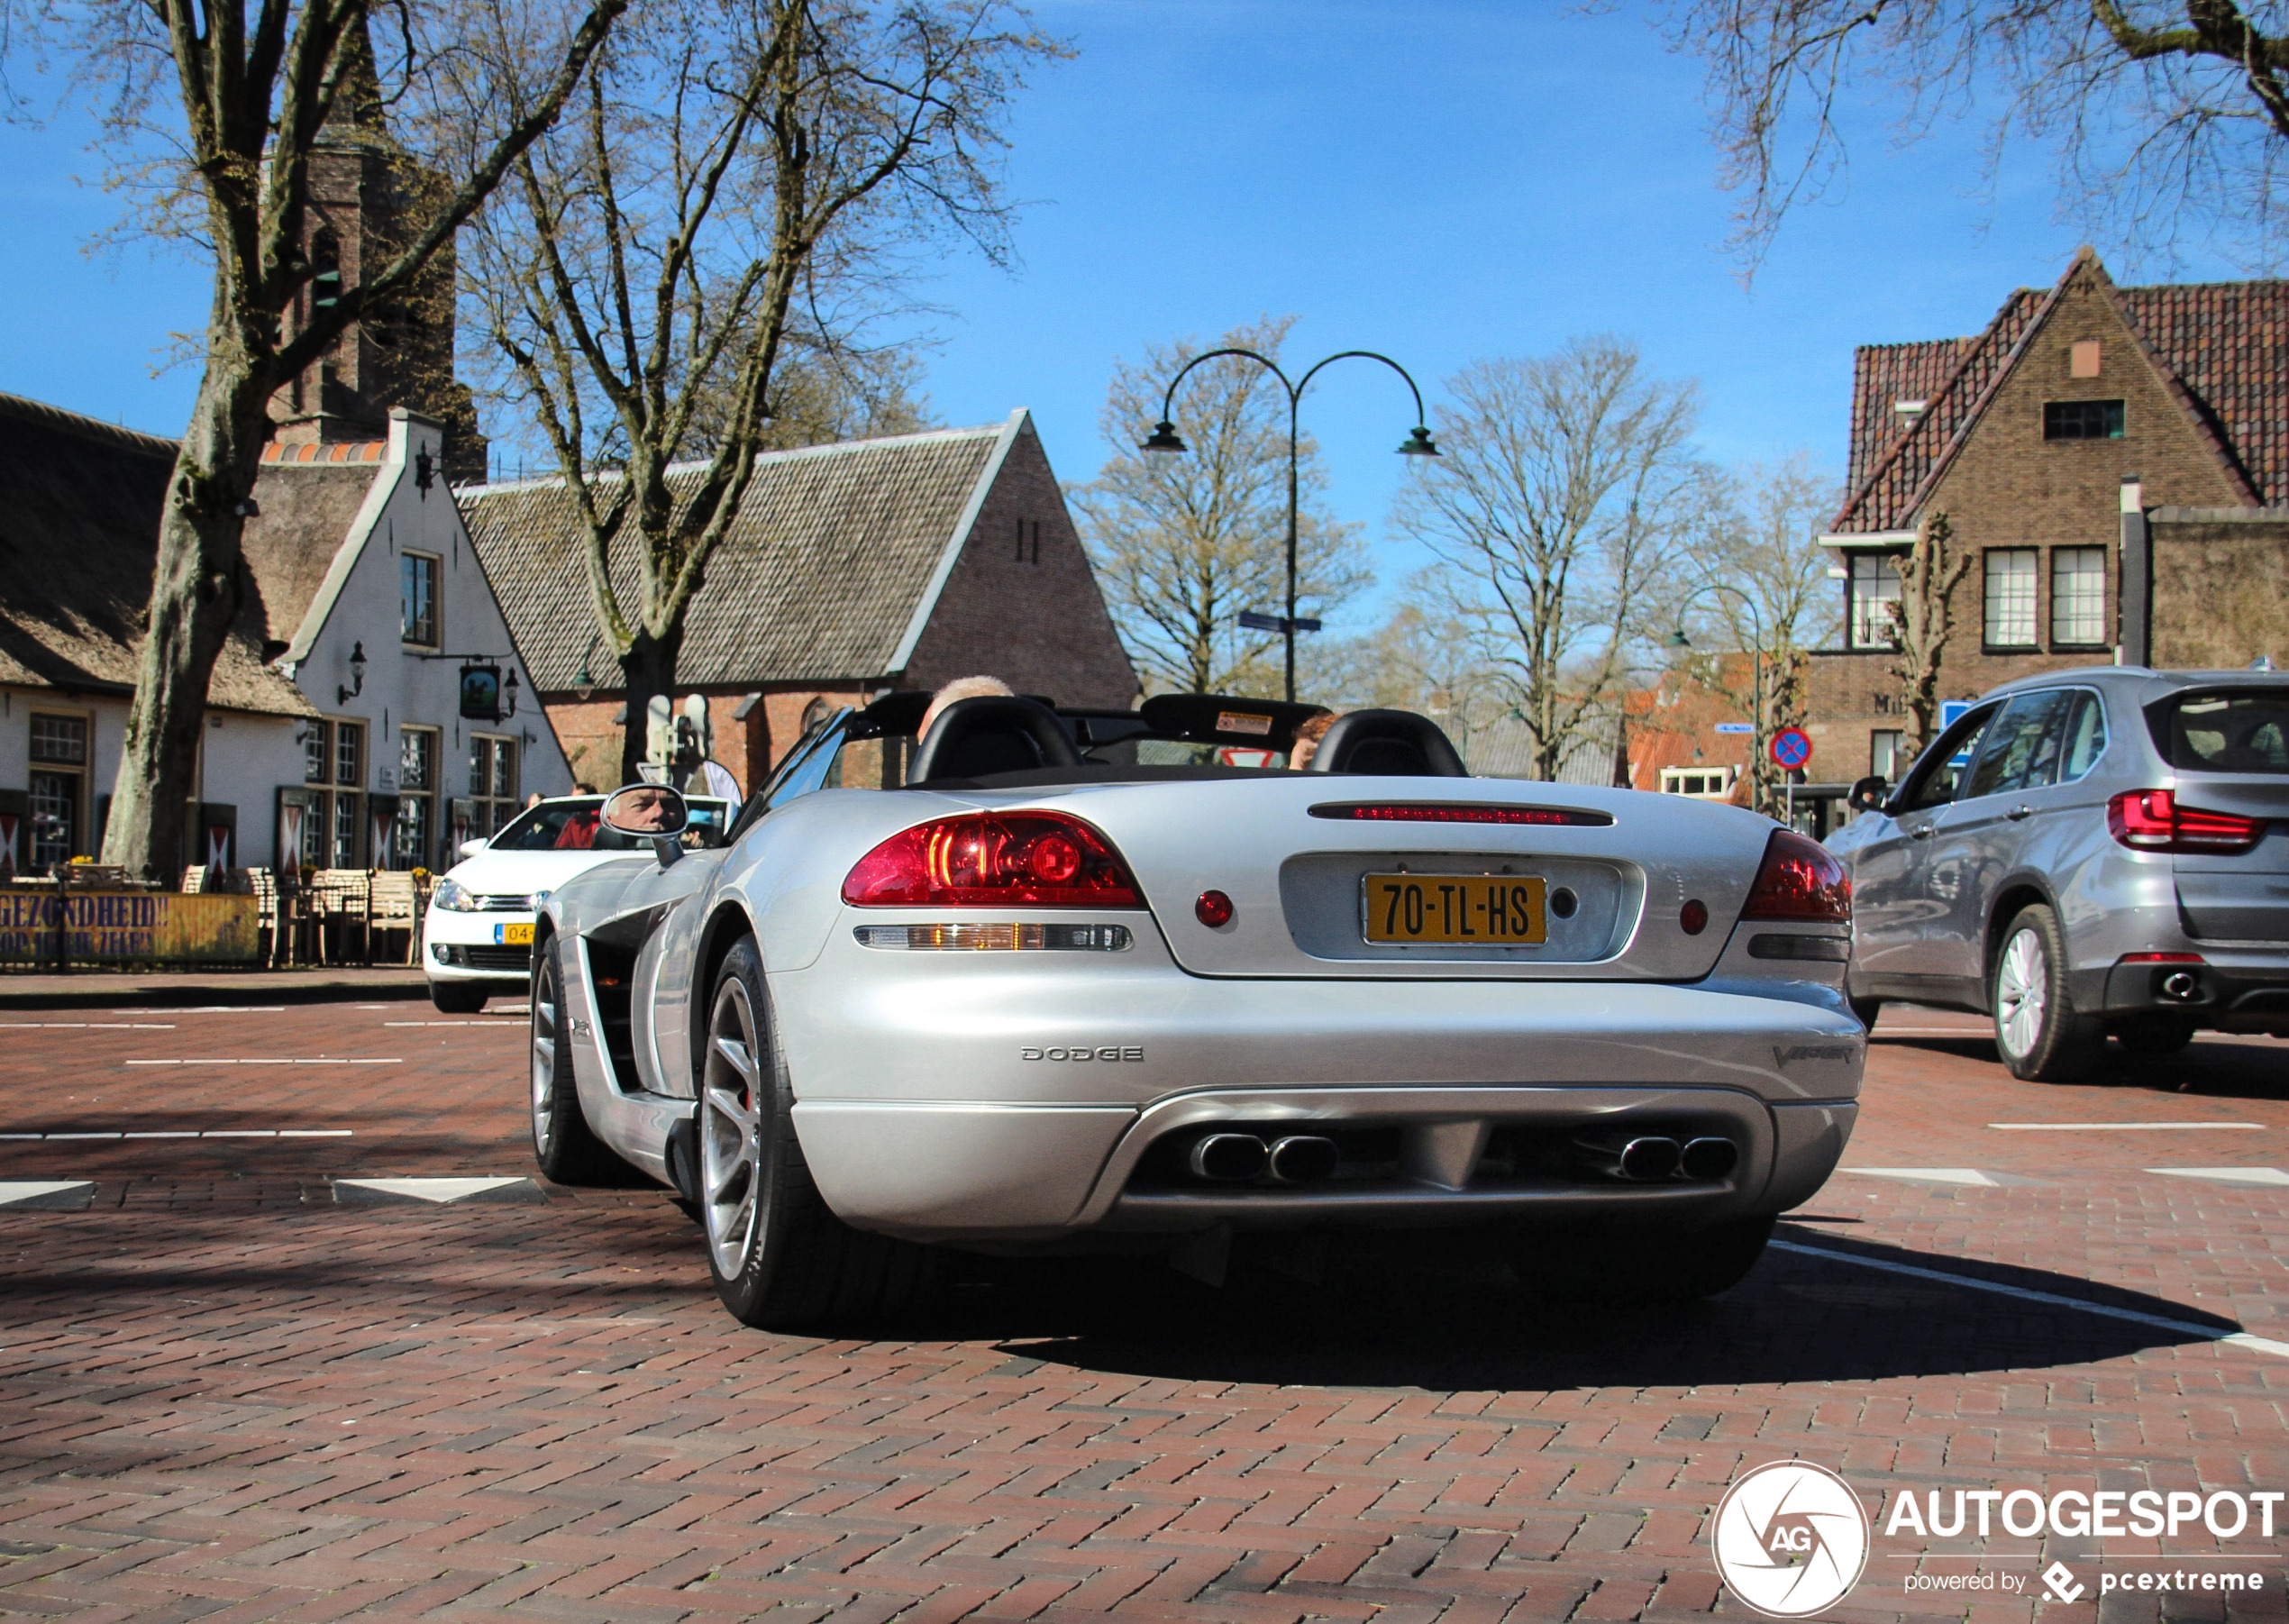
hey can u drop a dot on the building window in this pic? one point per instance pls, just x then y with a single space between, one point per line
1883 754
1875 588
1702 783
349 752
2082 420
2078 597
57 788
333 758
417 598
317 752
416 826
2010 599
492 783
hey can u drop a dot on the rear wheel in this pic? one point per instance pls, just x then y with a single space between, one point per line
780 1260
567 1149
2040 1034
458 998
1641 1265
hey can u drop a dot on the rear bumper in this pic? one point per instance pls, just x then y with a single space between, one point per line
2231 988
1034 1173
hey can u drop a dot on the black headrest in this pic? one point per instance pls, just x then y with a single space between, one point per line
993 732
1396 743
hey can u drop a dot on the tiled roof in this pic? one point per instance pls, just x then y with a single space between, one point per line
79 511
834 548
2229 345
1896 473
2224 346
363 451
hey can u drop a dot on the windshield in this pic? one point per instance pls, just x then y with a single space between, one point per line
571 825
2245 730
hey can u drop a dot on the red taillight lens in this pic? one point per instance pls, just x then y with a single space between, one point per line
1800 881
2151 820
1440 813
993 860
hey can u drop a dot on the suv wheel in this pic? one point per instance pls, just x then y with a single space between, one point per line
2040 1034
780 1258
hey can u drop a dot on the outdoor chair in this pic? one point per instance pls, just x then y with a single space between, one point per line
394 903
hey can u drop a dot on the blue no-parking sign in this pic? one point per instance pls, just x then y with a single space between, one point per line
1791 748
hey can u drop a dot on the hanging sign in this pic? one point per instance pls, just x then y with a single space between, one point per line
481 693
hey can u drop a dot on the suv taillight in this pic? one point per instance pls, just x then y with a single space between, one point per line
993 860
2151 820
1800 881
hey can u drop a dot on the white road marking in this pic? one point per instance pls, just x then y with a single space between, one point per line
211 1133
505 1026
1928 1175
2259 1345
1986 1032
87 1026
212 1010
2114 1127
50 1193
259 1060
437 1190
2228 1175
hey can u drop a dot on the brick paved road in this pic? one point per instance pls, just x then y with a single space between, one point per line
223 1396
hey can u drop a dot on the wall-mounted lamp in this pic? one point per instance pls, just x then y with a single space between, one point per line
509 691
342 696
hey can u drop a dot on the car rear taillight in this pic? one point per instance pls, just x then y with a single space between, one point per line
1444 812
993 860
2151 820
1800 881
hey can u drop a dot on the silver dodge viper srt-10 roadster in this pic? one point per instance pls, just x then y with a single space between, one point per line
1053 979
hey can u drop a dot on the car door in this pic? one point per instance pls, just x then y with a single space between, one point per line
1892 894
1980 835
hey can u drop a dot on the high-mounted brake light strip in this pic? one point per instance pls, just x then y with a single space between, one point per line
1437 813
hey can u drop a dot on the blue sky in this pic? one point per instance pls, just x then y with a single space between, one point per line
1441 181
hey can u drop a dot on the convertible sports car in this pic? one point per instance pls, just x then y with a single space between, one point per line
1053 979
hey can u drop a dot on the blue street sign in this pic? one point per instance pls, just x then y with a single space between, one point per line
1735 727
1254 622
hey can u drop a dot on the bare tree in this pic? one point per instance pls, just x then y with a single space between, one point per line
1420 660
1760 581
740 185
212 113
1923 618
1184 545
1565 489
2160 112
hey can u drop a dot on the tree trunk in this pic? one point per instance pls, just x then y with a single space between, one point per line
650 664
196 597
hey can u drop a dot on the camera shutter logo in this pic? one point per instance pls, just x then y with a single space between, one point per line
1792 1538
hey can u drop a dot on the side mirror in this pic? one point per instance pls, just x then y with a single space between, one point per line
469 848
652 812
1869 794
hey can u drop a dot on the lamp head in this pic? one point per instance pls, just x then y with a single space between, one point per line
1678 640
1418 443
1163 441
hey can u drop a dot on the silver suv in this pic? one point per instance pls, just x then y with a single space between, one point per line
2083 853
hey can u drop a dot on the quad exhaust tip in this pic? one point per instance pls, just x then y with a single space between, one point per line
1291 1159
1655 1158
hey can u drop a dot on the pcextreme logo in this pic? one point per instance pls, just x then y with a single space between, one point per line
1792 1538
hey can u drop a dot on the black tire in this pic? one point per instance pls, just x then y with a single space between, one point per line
2040 1034
458 998
1640 1266
1866 1009
566 1148
781 1259
2155 1034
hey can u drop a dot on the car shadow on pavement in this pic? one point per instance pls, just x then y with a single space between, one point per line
1445 1316
2216 1065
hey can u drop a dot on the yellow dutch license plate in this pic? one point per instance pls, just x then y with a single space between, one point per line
514 936
1498 909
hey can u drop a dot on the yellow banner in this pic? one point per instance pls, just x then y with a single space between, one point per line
127 926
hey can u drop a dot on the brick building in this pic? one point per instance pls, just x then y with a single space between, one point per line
2116 460
896 562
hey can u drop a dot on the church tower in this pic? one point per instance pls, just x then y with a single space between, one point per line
366 195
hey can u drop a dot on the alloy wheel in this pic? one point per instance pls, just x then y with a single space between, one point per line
2022 992
544 1035
730 1149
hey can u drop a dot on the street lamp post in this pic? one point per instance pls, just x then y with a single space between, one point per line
1678 640
1164 441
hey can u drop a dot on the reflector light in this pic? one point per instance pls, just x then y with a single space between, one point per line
996 939
2151 820
1800 879
993 860
1437 814
2160 958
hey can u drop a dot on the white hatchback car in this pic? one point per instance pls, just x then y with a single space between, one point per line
479 925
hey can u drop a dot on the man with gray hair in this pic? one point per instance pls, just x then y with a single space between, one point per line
961 688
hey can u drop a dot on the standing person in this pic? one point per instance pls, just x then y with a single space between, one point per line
1308 732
